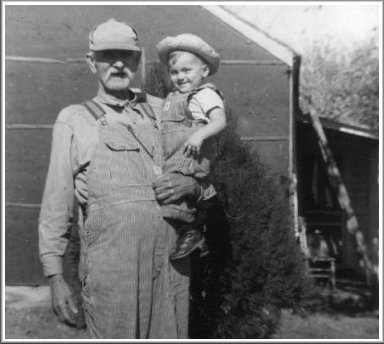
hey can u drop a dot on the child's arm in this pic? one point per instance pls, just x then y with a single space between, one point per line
217 123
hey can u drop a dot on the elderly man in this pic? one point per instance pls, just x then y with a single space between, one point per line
107 154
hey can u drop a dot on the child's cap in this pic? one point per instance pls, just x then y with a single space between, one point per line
113 34
191 43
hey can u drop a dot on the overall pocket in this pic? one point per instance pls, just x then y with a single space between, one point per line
174 134
126 163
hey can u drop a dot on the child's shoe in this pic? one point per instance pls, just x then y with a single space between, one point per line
187 243
204 250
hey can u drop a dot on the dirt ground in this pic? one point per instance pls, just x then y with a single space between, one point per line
41 323
28 315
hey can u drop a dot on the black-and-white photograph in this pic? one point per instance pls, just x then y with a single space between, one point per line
135 209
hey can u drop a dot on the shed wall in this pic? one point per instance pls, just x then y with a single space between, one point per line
359 169
35 92
357 160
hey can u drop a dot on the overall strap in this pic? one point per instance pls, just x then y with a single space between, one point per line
97 113
94 109
146 108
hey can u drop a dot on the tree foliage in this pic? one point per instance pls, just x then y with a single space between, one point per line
342 85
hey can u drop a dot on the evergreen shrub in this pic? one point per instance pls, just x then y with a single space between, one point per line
255 267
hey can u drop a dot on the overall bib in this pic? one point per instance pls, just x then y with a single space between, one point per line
129 287
177 126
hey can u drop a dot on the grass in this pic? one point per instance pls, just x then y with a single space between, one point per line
41 323
328 326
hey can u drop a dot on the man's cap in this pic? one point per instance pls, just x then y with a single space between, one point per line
113 34
191 43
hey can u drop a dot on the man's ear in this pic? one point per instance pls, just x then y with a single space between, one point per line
91 62
137 59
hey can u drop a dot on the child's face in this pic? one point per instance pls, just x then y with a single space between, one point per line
186 70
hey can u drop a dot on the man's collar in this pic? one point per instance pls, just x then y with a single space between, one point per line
113 101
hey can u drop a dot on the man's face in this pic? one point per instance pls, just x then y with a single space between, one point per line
115 69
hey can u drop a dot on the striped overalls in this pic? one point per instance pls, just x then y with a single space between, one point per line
129 287
177 126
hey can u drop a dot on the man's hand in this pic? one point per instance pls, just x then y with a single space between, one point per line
62 299
173 187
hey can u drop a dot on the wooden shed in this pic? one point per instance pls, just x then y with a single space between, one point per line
45 70
356 152
45 47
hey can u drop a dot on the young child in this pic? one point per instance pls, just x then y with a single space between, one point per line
193 114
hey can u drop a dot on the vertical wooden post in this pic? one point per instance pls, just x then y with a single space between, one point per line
293 109
143 69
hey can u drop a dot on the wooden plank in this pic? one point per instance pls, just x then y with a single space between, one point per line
33 59
327 212
274 154
64 31
26 156
22 264
150 62
324 224
258 98
265 138
239 62
36 93
22 205
252 62
28 126
143 68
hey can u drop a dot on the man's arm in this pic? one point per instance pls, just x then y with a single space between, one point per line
172 187
55 220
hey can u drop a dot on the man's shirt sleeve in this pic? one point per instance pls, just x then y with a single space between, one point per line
57 204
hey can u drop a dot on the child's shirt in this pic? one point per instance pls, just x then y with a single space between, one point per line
202 102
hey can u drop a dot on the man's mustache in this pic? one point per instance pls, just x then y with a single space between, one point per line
120 74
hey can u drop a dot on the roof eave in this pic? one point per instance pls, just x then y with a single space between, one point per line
274 47
342 127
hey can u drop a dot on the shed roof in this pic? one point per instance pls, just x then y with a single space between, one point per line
253 33
344 127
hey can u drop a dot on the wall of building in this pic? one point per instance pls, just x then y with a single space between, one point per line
357 160
45 71
359 168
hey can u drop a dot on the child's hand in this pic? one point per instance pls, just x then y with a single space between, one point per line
193 145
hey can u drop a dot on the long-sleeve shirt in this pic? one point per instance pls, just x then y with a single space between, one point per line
75 133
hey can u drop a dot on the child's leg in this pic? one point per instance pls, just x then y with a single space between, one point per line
190 236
